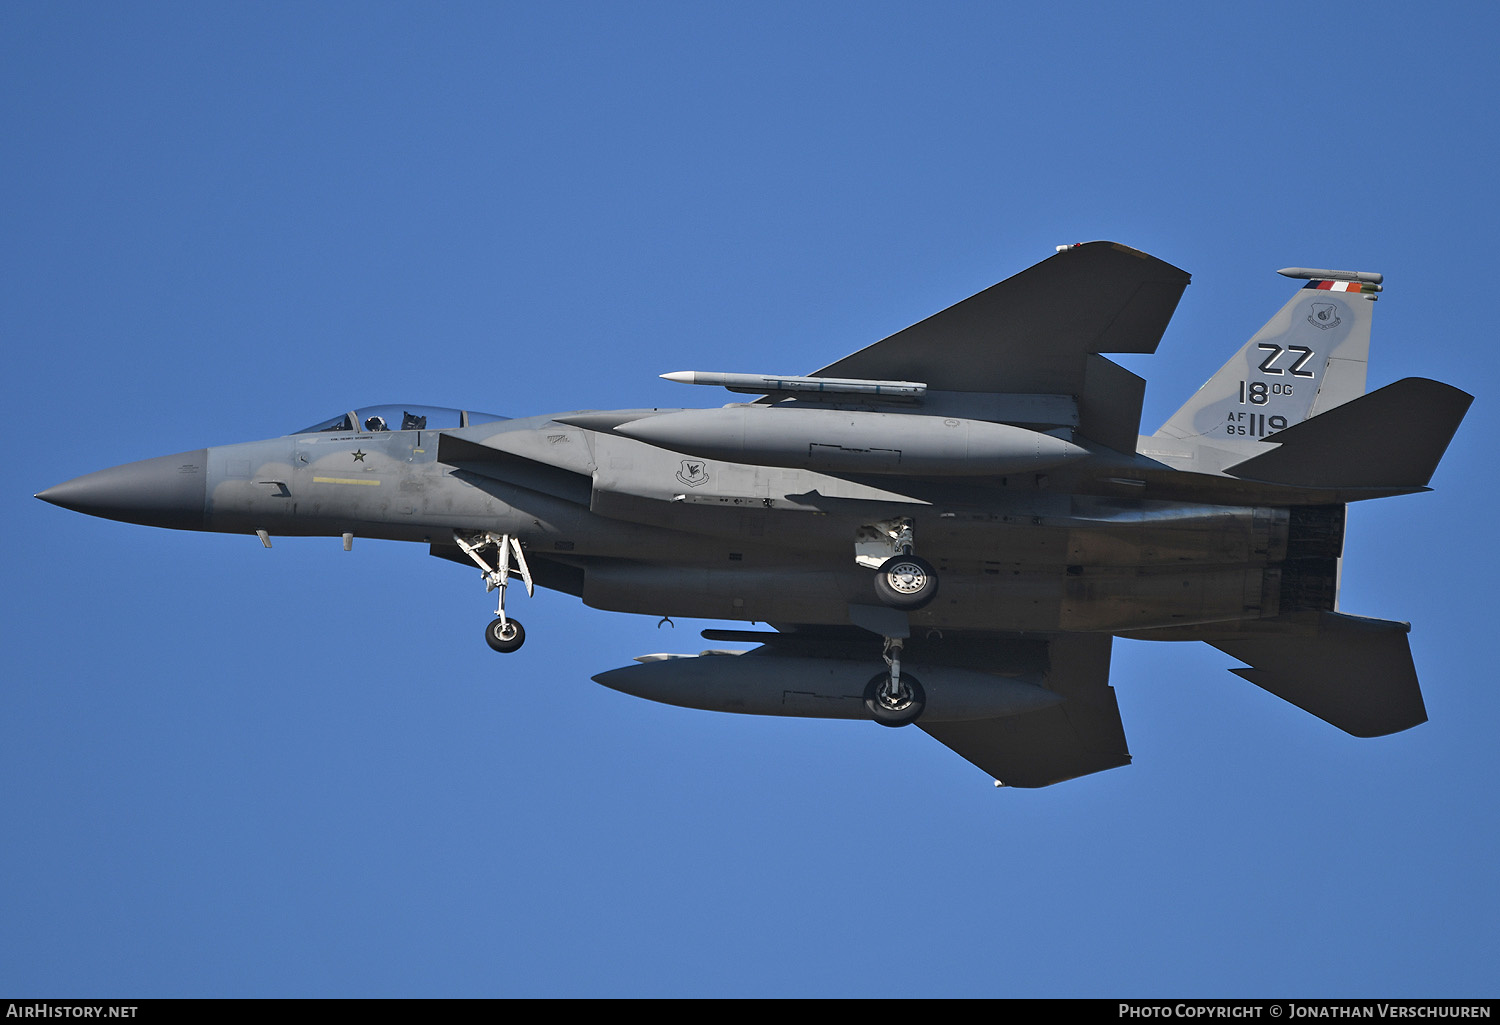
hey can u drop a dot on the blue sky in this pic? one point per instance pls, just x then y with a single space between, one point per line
300 772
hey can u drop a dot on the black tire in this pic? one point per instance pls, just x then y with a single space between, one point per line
907 710
906 582
506 640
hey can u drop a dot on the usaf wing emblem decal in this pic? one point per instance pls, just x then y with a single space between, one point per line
1324 315
693 472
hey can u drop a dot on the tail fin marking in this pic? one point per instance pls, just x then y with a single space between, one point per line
1307 359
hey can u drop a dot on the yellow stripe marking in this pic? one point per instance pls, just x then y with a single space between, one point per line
344 480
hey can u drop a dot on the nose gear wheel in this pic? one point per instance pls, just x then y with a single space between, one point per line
505 635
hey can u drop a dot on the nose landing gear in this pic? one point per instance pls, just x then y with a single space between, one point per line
503 634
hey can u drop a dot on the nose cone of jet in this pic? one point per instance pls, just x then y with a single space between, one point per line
168 491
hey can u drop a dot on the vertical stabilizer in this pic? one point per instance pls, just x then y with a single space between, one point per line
1308 358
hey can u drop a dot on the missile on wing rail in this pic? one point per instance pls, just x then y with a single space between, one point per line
1313 273
835 441
769 384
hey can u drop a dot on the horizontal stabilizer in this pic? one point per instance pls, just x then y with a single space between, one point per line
1354 673
1392 438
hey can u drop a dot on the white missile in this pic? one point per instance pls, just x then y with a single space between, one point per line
768 384
1313 273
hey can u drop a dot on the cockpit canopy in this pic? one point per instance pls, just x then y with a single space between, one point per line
369 419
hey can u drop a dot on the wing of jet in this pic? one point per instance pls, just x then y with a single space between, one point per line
1032 332
1079 735
1041 332
1030 712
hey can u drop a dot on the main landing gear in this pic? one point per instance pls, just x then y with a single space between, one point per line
890 698
902 579
906 582
503 633
903 583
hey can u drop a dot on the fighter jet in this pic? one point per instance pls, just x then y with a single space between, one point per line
947 528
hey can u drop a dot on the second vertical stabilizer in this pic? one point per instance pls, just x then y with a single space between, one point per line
1308 358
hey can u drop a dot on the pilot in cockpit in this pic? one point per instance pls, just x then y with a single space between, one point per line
376 423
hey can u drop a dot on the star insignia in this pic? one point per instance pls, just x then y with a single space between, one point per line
359 455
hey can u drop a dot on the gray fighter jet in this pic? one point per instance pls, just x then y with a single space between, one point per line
946 528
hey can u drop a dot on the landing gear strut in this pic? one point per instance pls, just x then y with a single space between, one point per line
503 633
891 698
